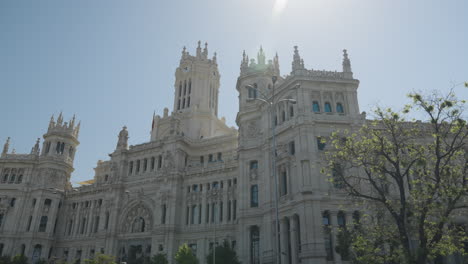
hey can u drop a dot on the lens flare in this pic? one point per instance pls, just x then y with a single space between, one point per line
279 6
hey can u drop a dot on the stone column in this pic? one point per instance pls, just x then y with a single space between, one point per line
293 234
284 241
334 230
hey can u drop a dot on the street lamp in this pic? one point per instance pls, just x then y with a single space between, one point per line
271 103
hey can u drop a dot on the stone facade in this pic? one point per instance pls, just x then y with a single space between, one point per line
196 181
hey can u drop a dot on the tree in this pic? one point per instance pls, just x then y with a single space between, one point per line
19 259
185 255
159 258
5 260
223 254
101 259
412 176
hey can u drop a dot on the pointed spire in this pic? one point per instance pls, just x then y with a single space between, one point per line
261 56
5 147
205 50
52 122
77 129
297 63
60 119
35 149
276 64
72 122
346 62
199 49
214 58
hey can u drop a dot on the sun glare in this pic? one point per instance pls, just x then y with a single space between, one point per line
279 6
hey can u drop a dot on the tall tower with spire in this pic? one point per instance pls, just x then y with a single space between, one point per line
196 85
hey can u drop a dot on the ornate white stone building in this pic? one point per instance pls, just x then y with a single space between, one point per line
196 180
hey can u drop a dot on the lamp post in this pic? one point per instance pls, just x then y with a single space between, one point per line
271 107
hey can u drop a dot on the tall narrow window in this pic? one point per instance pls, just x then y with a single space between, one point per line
159 161
234 210
106 224
207 214
220 156
199 213
341 219
283 116
47 148
315 107
188 101
254 245
43 224
70 226
328 107
1 219
28 227
339 108
190 86
193 215
130 168
327 235
292 148
187 215
138 166
152 163
284 183
178 104
229 211
254 196
163 215
180 88
145 164
96 224
83 224
220 211
321 143
291 111
337 176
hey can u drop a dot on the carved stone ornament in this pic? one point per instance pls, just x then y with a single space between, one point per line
138 219
252 129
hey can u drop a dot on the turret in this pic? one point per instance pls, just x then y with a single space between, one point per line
347 65
6 146
61 139
260 66
298 63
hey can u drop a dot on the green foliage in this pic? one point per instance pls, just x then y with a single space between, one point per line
159 258
5 260
413 177
185 255
224 254
19 259
101 259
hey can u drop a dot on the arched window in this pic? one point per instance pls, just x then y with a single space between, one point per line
254 196
43 223
254 245
315 107
47 202
339 108
36 253
5 178
328 107
20 178
327 235
12 178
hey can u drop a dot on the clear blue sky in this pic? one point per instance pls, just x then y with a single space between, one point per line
112 62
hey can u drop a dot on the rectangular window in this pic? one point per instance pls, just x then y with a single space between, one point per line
199 213
138 166
220 156
229 211
284 183
130 168
153 161
202 160
292 148
220 211
1 219
145 164
320 143
234 210
207 214
193 216
163 215
210 158
187 215
159 162
253 164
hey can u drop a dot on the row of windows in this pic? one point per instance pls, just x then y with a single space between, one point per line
12 201
214 185
86 204
59 148
184 100
219 157
327 107
143 165
341 222
82 225
214 212
12 175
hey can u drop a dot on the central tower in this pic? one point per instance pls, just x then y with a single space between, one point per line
197 83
